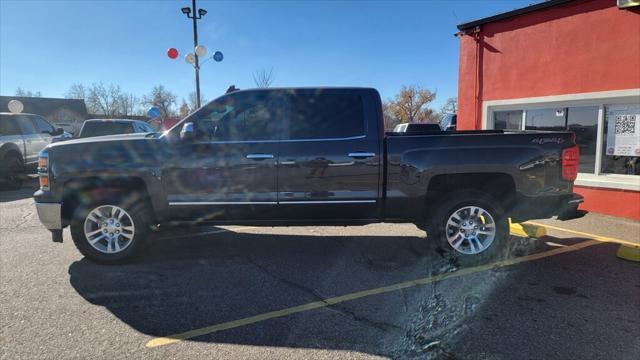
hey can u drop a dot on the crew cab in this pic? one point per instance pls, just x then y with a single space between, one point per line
311 156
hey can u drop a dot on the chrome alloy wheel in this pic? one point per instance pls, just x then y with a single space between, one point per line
109 229
470 230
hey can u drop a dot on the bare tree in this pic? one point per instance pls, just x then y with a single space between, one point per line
28 93
450 107
107 100
76 91
128 104
412 105
103 99
390 120
263 78
184 109
192 101
65 115
163 99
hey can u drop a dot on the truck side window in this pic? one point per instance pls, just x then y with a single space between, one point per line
144 127
244 116
8 125
43 125
326 116
27 126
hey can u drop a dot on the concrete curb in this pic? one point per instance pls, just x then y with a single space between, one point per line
631 253
527 230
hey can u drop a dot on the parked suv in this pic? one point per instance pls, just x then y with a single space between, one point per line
22 136
102 127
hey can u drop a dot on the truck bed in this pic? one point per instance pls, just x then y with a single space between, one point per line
416 161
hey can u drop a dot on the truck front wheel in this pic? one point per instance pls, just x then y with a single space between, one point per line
470 227
11 173
110 231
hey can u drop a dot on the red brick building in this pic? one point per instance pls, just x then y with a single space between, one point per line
563 64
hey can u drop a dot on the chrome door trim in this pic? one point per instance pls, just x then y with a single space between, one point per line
327 139
348 163
259 156
274 141
361 154
182 203
328 202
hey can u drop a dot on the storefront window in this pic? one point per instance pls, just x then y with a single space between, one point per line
583 121
621 140
507 120
545 119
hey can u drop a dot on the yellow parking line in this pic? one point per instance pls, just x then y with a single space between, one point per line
588 235
160 341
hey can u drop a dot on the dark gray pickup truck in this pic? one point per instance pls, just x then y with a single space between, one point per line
304 157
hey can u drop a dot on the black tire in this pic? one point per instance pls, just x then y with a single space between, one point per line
12 173
437 228
138 211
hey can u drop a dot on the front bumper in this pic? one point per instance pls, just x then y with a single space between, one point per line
50 215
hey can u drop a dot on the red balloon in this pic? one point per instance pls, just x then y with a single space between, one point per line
172 53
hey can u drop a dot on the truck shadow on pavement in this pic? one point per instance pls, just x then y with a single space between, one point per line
199 281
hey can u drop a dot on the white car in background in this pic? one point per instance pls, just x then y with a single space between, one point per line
22 136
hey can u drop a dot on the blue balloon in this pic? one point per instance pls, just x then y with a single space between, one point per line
217 56
153 112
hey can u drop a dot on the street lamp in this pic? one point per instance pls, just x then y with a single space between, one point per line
201 12
198 50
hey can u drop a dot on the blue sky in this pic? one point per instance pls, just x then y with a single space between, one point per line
48 45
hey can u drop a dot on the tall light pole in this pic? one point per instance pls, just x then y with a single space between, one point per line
196 15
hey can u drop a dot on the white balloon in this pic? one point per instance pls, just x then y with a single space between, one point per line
190 58
201 50
16 106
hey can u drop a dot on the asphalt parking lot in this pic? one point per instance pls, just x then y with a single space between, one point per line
314 292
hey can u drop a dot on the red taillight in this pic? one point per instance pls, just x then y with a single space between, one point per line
570 159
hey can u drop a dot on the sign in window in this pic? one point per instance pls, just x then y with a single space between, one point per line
622 140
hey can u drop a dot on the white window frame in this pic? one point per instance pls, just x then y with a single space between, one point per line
600 99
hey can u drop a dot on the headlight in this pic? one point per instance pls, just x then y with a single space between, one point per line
43 170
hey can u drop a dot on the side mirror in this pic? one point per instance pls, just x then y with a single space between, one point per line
187 132
56 132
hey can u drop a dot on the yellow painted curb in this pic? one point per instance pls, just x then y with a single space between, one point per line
631 253
527 230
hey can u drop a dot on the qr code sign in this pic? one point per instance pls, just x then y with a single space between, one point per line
625 124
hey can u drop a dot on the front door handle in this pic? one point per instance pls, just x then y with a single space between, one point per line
259 156
361 155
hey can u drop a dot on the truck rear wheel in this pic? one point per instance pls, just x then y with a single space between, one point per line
471 228
110 231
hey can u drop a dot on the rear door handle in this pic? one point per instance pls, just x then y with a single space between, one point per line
259 156
361 155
